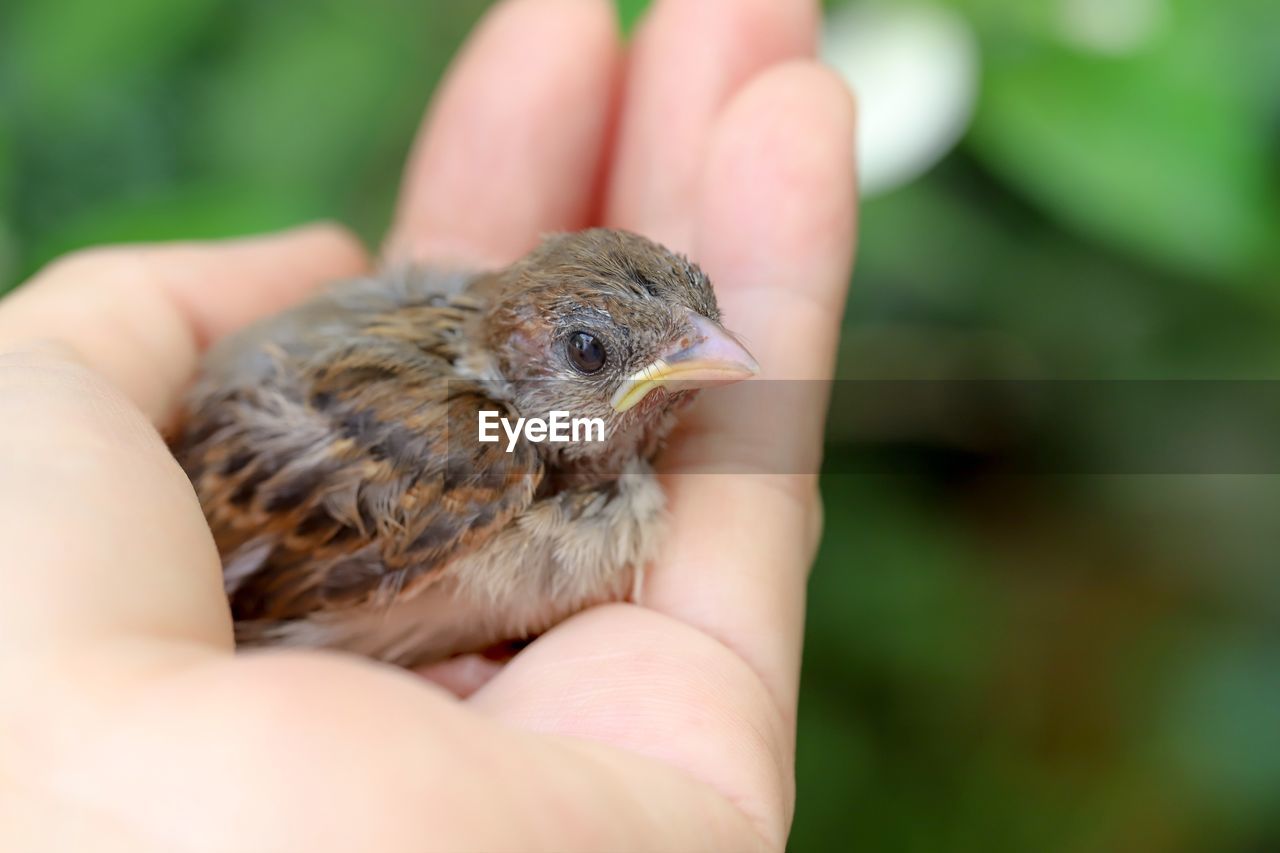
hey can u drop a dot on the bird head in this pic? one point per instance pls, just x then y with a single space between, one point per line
607 324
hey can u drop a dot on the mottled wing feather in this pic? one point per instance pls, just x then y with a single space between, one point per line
351 477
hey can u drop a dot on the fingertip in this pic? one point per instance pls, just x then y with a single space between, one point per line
221 286
688 61
751 34
512 147
775 230
598 16
778 203
103 533
68 406
340 248
140 314
312 252
799 110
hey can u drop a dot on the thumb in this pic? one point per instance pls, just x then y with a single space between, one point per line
103 535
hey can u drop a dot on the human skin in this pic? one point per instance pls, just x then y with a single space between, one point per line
126 721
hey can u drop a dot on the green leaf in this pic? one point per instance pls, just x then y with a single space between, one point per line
320 102
891 587
8 242
1219 728
199 211
1161 152
629 12
63 55
8 257
7 169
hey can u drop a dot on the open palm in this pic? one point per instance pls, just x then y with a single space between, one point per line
125 720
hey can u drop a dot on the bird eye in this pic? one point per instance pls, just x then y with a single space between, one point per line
586 354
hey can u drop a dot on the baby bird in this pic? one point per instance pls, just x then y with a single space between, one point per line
336 448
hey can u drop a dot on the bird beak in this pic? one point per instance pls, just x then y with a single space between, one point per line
708 355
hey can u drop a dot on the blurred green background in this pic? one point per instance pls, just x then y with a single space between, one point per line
1087 663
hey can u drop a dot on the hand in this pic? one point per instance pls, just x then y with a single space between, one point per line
125 720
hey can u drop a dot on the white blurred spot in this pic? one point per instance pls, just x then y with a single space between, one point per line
1111 27
914 69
